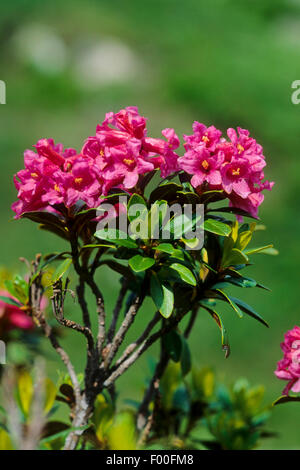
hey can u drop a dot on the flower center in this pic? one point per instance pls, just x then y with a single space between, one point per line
236 172
78 180
34 175
205 164
101 153
56 187
128 162
205 139
240 148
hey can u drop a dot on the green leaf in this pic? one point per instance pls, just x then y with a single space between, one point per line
119 268
162 295
165 191
217 227
140 263
249 310
62 269
10 301
172 343
185 273
186 361
216 317
116 236
285 399
230 301
100 245
232 210
234 257
165 248
136 199
267 250
241 281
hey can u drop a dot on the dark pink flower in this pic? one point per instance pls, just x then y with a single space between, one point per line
235 175
123 152
202 165
288 368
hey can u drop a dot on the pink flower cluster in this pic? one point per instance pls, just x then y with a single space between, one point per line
288 368
12 317
116 157
121 153
234 166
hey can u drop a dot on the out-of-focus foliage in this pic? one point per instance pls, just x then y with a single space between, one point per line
200 412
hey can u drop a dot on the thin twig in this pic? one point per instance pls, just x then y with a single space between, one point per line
152 388
117 372
191 321
129 350
117 311
119 337
57 301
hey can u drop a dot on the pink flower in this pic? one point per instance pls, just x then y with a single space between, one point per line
12 317
234 166
288 368
208 136
235 177
124 152
202 165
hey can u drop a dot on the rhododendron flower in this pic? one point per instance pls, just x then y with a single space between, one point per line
288 368
124 152
234 166
40 182
199 163
12 317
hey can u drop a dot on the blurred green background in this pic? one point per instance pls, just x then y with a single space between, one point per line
224 62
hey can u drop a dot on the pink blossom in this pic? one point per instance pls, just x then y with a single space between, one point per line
204 167
288 368
234 166
124 152
208 136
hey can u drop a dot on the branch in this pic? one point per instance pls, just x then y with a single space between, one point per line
35 295
150 392
118 340
191 321
57 301
139 341
117 372
117 311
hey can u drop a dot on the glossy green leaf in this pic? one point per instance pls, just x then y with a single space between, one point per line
134 203
217 227
230 301
140 263
162 295
62 269
248 310
117 237
186 360
184 273
10 301
217 318
172 344
267 250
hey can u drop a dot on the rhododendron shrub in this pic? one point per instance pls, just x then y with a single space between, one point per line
63 190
